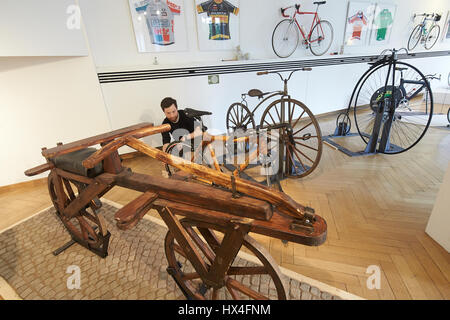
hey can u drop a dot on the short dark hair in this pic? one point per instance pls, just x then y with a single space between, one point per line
167 102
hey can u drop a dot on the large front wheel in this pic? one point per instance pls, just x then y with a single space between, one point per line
321 38
294 126
285 38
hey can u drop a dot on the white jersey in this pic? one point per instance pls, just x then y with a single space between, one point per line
159 15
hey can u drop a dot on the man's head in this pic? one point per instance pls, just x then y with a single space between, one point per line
170 108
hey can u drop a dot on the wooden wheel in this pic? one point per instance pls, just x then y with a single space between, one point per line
243 280
89 229
301 135
239 117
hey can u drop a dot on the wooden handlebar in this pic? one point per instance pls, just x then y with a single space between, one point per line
112 146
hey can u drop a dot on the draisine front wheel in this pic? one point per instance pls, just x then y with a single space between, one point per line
321 38
244 280
285 38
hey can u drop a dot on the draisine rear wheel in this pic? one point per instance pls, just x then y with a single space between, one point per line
85 227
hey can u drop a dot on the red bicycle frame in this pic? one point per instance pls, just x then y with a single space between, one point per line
297 11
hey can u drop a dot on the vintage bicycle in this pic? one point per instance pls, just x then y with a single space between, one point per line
232 153
426 34
286 35
207 225
297 127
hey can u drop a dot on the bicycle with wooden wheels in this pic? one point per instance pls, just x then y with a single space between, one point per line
207 227
286 120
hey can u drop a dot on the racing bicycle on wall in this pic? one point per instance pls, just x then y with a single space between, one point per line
286 35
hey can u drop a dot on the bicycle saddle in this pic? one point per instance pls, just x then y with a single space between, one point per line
192 113
257 93
319 2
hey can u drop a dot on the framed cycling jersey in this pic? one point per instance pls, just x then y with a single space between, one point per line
217 24
382 23
358 23
159 25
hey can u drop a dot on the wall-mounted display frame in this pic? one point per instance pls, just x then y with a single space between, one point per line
382 23
446 29
358 23
159 25
217 24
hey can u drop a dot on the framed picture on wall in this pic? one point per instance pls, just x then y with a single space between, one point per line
217 24
446 29
358 22
159 25
383 21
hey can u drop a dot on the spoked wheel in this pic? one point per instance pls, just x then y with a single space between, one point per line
321 38
415 37
181 150
432 37
239 117
411 110
244 280
285 38
301 135
89 229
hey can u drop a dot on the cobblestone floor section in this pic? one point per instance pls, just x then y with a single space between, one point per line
134 269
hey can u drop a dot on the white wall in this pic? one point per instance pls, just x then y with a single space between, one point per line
45 100
41 28
111 35
439 223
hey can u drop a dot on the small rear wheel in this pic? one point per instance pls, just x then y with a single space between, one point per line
239 117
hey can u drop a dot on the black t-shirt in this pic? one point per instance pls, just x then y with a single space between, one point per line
184 122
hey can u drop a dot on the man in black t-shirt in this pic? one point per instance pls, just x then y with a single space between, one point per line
183 127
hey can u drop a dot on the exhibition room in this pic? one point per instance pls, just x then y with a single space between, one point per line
225 150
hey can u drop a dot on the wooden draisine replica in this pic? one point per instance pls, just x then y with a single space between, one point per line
208 224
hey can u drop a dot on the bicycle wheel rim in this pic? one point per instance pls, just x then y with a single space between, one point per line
323 29
410 122
239 117
285 38
414 38
304 142
432 37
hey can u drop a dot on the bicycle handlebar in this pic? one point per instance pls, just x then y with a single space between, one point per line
297 8
261 73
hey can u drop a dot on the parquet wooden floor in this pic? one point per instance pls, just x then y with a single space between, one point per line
376 208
